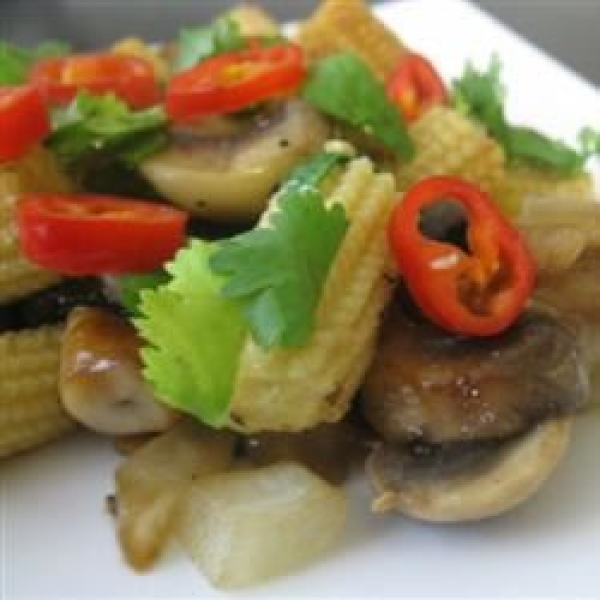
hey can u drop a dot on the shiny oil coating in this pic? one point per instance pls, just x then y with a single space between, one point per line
425 384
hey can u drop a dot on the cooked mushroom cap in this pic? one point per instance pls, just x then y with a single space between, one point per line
484 488
101 383
230 174
425 384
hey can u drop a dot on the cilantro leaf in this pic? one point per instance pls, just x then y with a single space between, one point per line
91 127
278 272
310 174
130 288
530 146
194 337
481 95
195 45
343 86
15 61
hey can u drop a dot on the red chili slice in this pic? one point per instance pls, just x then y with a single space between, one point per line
415 85
235 80
131 78
478 292
24 121
94 235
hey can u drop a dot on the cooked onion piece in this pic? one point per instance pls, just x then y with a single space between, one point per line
247 526
150 483
559 230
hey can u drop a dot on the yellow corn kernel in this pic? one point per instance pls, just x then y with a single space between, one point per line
448 143
350 25
291 390
30 409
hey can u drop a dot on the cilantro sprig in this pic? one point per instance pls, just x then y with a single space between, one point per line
266 282
16 61
277 272
193 337
343 86
481 95
97 127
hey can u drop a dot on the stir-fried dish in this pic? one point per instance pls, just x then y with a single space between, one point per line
263 263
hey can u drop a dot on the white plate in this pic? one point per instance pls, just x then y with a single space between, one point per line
57 541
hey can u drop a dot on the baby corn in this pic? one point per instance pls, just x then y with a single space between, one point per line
30 410
350 25
448 143
35 172
291 390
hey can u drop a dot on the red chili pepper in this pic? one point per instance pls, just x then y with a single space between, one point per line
235 80
415 86
95 235
24 121
477 293
131 78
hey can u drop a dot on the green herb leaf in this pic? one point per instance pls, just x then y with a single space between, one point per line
343 86
15 61
131 287
532 147
312 173
197 44
194 337
278 272
589 140
481 95
103 126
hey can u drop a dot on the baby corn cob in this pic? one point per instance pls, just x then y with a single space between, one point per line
291 390
35 172
30 410
18 276
448 143
340 25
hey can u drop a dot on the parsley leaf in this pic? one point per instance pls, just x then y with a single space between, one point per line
93 127
15 61
195 45
194 337
278 272
481 96
343 86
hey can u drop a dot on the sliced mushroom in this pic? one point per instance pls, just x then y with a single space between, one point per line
229 174
477 483
101 383
425 384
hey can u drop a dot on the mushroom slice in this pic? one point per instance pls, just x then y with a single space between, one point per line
230 174
479 483
428 385
101 383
